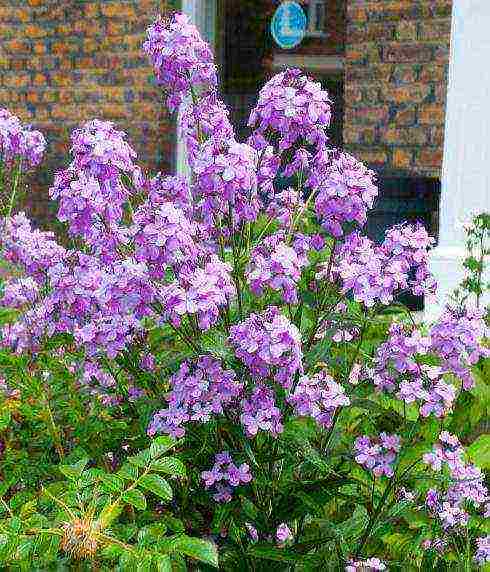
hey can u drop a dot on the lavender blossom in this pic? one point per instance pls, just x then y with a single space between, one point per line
269 345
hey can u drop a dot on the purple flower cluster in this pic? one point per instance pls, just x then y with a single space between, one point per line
20 292
294 108
283 533
284 206
199 291
226 181
199 390
90 192
33 250
397 368
277 265
377 455
375 274
99 383
164 236
181 59
369 565
224 476
203 120
409 245
482 554
345 190
19 142
260 412
318 396
465 486
456 339
269 345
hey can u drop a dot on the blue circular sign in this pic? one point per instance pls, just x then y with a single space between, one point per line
288 25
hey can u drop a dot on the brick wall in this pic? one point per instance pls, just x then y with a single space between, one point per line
63 62
396 65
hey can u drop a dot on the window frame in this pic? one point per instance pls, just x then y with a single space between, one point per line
311 9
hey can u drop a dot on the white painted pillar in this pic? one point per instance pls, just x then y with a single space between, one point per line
466 167
202 13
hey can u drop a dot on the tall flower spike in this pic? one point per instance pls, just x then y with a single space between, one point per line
294 108
182 60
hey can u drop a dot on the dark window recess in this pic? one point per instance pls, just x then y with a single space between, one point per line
402 199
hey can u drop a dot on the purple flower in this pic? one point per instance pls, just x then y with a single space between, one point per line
180 57
293 107
201 291
260 413
374 274
19 292
482 554
345 191
369 565
283 533
318 396
278 266
19 142
269 345
199 391
377 455
465 485
224 476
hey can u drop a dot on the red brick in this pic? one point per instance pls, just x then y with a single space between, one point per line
430 157
435 29
405 94
402 158
367 115
405 136
431 115
406 30
372 156
409 52
433 73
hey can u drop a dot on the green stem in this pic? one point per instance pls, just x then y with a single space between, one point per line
15 186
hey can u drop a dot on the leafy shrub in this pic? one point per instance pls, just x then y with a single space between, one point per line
320 424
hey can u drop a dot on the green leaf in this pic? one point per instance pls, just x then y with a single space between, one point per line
169 466
269 552
135 498
163 562
112 483
162 444
157 485
73 472
128 472
479 452
201 550
5 417
140 460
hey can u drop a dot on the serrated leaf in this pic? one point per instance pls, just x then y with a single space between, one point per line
479 452
169 466
201 550
112 483
135 498
140 460
73 472
164 443
128 472
157 485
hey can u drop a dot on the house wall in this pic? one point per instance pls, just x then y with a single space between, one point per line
395 82
63 62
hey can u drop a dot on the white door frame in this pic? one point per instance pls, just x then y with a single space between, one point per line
202 13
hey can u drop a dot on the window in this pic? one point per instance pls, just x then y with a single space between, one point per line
316 18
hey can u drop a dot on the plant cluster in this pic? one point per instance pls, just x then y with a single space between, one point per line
319 426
